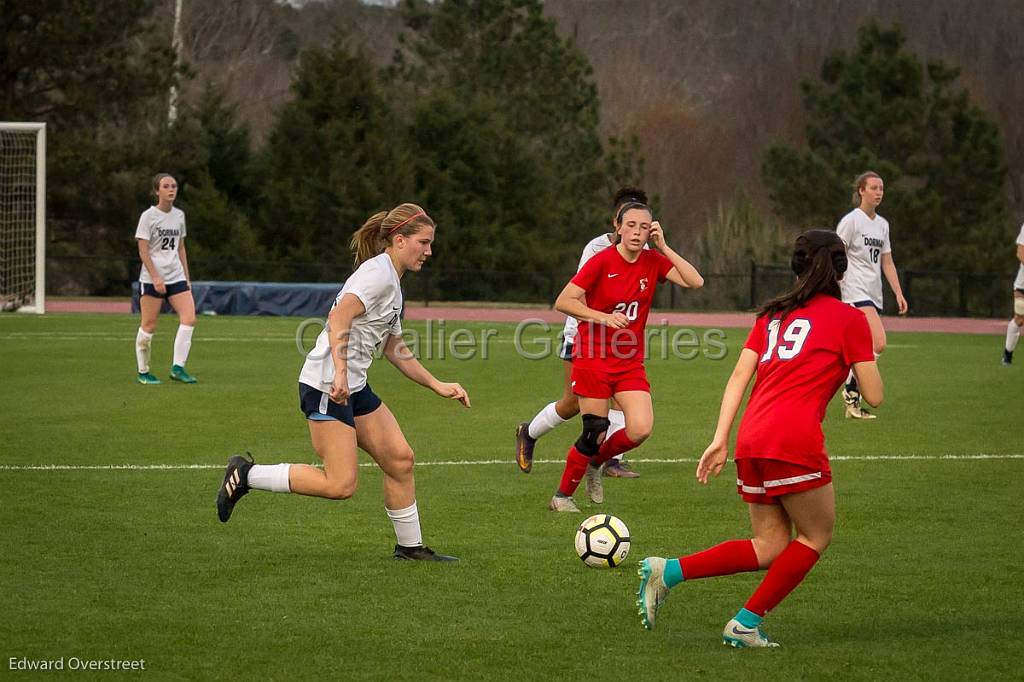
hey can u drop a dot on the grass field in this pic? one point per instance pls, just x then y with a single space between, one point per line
923 580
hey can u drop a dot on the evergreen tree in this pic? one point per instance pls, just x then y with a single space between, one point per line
98 73
336 154
506 126
941 157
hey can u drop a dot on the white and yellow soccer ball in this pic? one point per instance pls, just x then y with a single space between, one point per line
602 541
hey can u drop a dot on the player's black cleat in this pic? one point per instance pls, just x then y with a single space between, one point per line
421 553
1007 357
235 485
524 447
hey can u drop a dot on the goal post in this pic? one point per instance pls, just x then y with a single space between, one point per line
23 217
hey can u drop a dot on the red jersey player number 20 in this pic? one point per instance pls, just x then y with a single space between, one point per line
614 285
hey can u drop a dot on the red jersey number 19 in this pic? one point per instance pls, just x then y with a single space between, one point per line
793 339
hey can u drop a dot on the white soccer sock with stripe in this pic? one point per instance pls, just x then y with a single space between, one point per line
1012 335
407 525
545 420
182 344
143 343
272 477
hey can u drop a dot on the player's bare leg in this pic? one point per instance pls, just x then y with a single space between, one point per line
580 463
380 435
1013 328
617 467
564 409
851 395
185 307
149 306
335 445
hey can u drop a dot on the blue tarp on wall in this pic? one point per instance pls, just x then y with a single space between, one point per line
257 298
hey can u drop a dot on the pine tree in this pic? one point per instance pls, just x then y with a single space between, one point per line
880 108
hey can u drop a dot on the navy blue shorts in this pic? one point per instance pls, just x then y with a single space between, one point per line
866 304
318 406
173 289
565 350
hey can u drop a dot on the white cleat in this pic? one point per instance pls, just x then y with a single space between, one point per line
853 408
653 591
563 504
737 635
594 486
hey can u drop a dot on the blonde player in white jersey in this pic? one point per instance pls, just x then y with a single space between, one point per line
568 406
164 275
341 409
1013 327
869 252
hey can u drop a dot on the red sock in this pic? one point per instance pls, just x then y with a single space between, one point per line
734 556
618 443
786 572
575 466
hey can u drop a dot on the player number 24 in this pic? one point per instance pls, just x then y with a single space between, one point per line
793 339
167 243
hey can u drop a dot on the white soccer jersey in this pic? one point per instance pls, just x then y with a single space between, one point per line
866 240
376 284
164 231
593 247
1019 282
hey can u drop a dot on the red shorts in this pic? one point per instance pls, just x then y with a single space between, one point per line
764 481
595 383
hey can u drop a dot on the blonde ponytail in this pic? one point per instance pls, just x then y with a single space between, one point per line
366 242
377 232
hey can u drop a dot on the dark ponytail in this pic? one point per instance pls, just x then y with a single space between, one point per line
819 261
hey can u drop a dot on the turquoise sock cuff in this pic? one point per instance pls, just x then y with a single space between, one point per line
673 573
748 619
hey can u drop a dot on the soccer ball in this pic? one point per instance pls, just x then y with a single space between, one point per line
602 541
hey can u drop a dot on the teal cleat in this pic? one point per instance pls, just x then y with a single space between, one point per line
737 635
147 378
653 590
178 373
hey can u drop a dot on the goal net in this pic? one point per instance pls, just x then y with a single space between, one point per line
22 216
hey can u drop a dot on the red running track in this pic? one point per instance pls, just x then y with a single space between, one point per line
949 325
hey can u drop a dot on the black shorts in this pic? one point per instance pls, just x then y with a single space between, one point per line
318 406
173 289
565 349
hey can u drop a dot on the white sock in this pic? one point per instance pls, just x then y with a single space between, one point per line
1012 335
182 344
143 342
618 420
545 420
407 525
272 477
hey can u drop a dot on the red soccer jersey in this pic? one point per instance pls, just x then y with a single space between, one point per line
613 284
802 362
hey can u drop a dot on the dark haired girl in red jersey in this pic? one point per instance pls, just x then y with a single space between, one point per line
611 297
801 348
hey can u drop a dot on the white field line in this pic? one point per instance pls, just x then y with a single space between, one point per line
26 336
465 462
